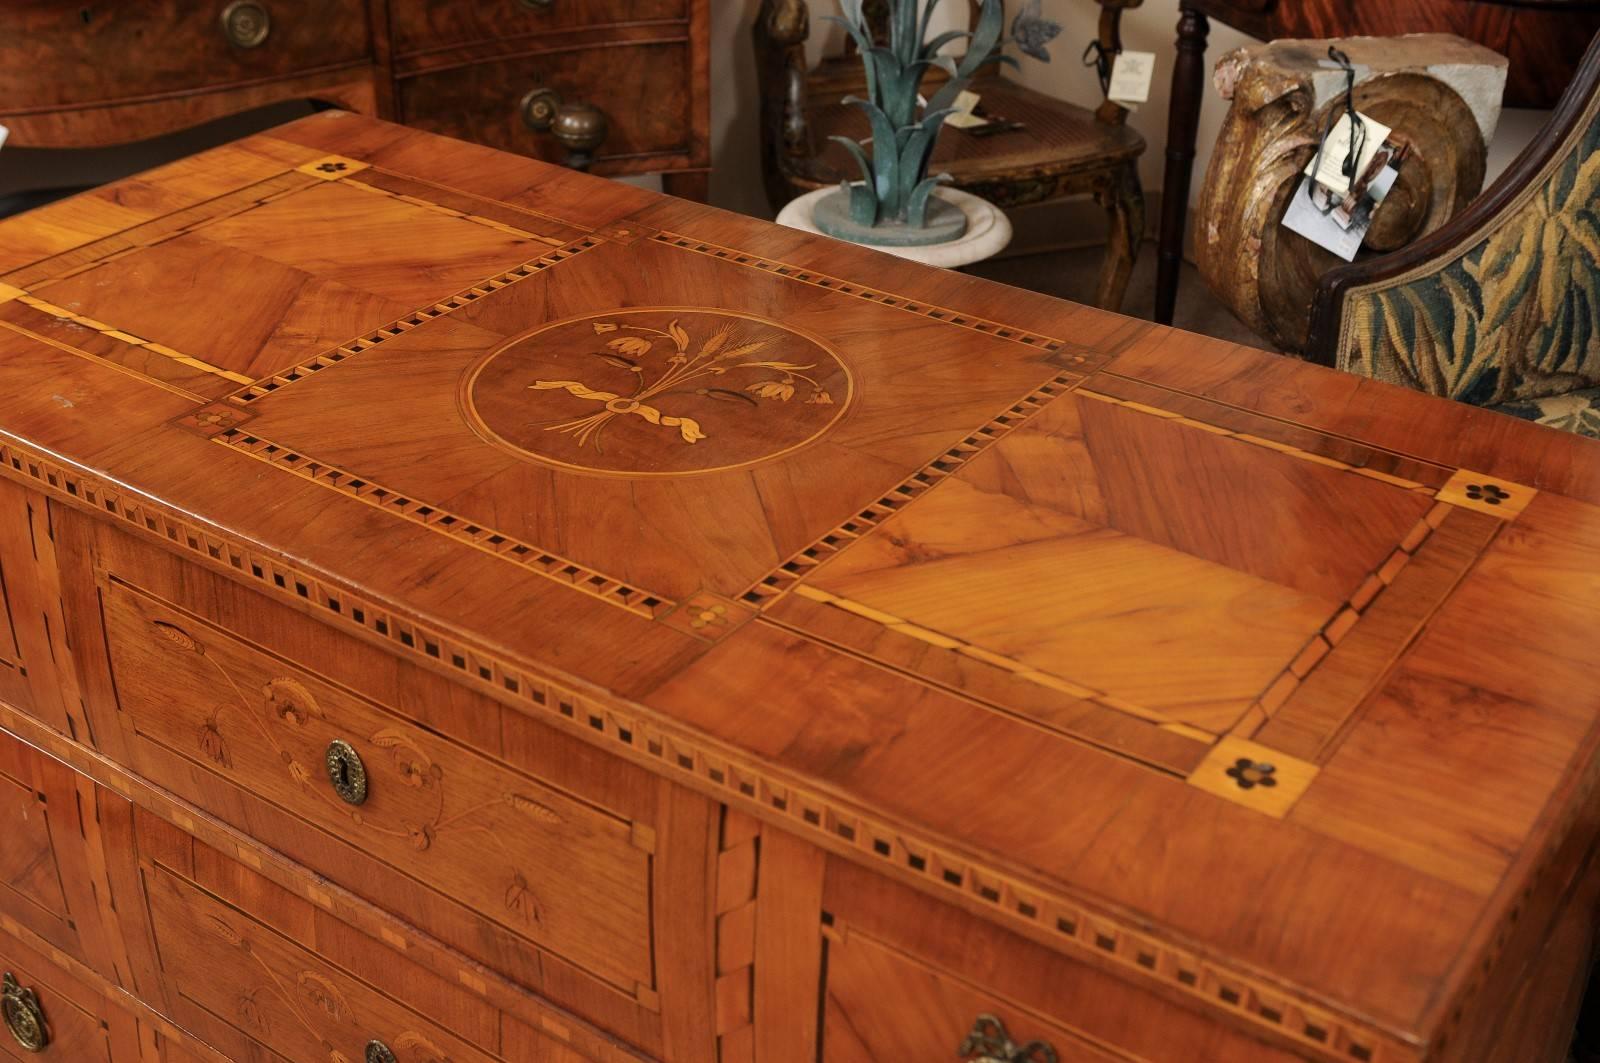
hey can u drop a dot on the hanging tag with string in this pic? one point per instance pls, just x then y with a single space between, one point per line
1355 166
1348 145
1125 76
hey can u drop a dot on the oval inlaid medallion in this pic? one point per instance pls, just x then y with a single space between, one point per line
657 391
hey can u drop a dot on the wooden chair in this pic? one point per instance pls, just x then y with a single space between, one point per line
1062 150
1501 306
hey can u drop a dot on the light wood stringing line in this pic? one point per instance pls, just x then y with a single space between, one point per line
95 358
157 230
1258 441
131 340
978 653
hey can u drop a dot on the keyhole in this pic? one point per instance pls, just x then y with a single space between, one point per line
346 773
86 15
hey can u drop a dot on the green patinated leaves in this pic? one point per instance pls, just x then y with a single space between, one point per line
895 184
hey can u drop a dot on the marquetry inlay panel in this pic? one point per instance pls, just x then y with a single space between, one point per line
657 391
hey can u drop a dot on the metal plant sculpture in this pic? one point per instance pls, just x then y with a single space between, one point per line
897 190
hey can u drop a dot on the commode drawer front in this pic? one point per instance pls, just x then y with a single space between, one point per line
426 25
537 862
642 88
43 853
48 1013
94 51
909 976
884 1004
262 971
232 980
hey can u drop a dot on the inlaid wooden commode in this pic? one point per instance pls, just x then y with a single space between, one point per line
456 608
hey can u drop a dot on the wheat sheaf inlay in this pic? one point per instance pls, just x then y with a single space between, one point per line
657 391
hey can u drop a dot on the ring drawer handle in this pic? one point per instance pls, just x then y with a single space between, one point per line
378 1052
246 23
580 127
347 774
990 1043
24 1017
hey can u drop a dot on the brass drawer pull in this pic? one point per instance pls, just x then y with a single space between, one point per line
580 127
246 23
990 1043
378 1052
24 1017
349 778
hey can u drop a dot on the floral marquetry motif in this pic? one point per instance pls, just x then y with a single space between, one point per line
658 391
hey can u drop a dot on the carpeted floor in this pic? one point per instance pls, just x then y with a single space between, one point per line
1072 275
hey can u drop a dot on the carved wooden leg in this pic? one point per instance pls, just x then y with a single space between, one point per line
1183 120
688 184
1123 199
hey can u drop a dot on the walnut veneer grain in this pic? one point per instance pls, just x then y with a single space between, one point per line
758 647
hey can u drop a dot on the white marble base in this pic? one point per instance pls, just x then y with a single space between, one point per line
988 229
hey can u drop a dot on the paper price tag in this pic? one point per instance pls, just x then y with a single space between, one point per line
965 104
4 132
1330 168
1131 74
1343 227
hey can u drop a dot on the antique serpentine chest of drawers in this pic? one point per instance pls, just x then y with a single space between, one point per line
622 83
459 608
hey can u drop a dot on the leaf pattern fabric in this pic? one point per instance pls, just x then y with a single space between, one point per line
1511 319
1574 411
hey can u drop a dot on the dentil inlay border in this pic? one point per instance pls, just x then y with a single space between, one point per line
652 739
260 389
1081 361
802 564
462 529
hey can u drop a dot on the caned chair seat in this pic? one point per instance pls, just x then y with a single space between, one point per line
1059 139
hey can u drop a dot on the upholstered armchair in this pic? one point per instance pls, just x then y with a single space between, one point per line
1501 306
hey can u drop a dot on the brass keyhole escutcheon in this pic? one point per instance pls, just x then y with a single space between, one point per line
347 774
378 1052
538 108
24 1017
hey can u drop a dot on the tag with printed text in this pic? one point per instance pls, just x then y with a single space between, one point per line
1131 74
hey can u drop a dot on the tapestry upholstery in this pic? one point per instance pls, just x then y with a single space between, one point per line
1574 411
1513 315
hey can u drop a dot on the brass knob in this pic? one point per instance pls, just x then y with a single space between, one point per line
346 772
246 23
378 1052
990 1043
24 1017
581 128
